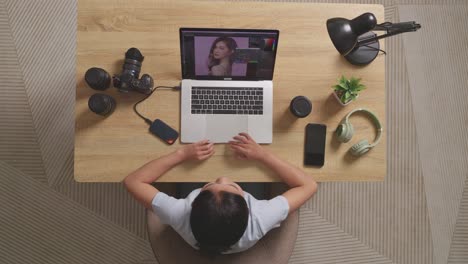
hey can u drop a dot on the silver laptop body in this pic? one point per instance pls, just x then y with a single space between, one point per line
219 107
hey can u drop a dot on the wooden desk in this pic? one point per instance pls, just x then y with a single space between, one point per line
107 149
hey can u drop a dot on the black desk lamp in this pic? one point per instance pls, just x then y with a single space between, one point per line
355 40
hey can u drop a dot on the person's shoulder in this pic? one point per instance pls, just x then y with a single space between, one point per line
168 204
266 210
192 195
250 199
218 70
176 213
172 211
217 67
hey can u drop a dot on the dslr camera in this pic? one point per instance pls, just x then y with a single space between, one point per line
128 79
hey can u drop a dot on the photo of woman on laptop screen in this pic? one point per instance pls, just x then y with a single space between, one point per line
233 56
221 55
215 56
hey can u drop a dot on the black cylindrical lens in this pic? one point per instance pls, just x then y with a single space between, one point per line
133 60
101 104
300 106
97 78
132 67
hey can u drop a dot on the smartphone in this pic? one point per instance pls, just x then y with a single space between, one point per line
314 148
164 131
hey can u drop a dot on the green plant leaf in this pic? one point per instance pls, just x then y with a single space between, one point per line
361 87
339 88
349 88
347 95
342 98
344 86
348 85
343 80
354 82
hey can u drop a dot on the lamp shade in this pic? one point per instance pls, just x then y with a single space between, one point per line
344 33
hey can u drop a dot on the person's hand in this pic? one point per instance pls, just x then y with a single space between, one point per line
245 147
201 150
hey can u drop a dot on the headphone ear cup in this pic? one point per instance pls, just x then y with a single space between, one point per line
345 132
360 148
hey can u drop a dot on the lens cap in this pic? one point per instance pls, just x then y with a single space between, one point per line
300 106
101 104
97 78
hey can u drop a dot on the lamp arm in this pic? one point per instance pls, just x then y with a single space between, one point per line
401 27
392 29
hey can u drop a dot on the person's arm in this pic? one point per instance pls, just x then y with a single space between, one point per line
138 183
303 186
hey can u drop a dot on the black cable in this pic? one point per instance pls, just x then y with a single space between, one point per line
385 53
149 122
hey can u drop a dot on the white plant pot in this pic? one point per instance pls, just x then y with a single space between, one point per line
339 100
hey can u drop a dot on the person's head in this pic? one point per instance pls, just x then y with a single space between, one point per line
222 48
219 216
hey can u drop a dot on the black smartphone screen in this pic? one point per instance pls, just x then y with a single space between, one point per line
314 148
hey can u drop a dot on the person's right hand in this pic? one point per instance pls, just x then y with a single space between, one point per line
201 150
245 147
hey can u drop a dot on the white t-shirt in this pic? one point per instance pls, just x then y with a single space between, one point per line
264 215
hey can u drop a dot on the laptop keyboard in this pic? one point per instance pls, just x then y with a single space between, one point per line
227 100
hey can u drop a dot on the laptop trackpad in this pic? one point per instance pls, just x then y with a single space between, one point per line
221 128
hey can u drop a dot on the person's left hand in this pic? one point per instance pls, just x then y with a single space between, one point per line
201 150
245 147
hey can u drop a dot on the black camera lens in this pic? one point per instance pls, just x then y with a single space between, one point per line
101 104
300 106
97 78
128 79
133 60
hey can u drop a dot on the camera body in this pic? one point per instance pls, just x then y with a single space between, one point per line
128 79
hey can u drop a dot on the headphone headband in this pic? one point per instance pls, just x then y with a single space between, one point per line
374 119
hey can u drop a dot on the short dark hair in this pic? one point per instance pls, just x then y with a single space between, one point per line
218 221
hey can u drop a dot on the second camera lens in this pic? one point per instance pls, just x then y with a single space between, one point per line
97 78
101 104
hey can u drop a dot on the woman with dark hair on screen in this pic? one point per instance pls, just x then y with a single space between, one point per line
220 57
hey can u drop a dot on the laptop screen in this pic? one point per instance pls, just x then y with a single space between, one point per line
220 54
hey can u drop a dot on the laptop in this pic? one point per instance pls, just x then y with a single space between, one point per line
227 85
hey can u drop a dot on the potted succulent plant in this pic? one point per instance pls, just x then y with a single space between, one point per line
347 90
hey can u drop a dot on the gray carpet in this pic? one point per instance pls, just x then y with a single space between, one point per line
419 214
437 62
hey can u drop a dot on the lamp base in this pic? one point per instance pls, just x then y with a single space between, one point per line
364 55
